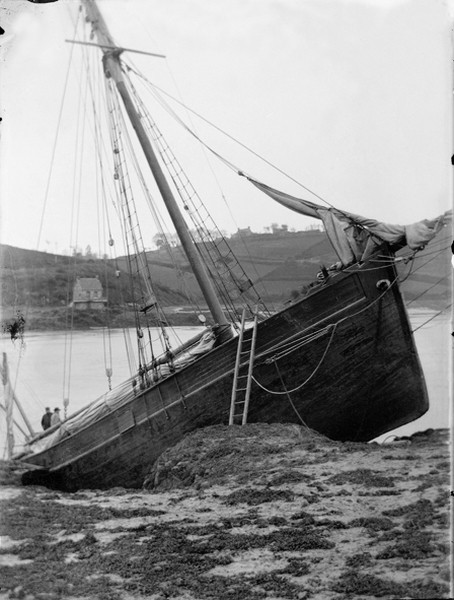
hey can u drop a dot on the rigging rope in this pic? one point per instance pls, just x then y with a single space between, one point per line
74 231
157 90
426 290
213 173
160 316
432 317
136 255
430 260
289 398
228 163
298 341
48 182
194 206
274 393
54 148
128 213
192 132
100 203
334 326
100 150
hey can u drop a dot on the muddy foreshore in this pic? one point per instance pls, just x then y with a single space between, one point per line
242 513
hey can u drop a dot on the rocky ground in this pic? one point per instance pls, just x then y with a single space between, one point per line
243 513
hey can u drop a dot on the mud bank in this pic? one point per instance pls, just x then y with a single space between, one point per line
243 513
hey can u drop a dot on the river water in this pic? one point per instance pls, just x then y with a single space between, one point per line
37 366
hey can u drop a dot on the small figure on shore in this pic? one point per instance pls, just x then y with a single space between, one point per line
55 420
46 420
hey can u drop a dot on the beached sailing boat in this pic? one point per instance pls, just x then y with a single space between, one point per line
341 358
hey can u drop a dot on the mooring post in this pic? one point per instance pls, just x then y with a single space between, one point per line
9 407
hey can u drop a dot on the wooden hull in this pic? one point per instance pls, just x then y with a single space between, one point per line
363 378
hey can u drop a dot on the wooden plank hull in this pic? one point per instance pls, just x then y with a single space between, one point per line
342 361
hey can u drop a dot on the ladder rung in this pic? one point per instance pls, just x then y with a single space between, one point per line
246 347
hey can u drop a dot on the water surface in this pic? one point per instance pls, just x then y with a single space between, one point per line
37 368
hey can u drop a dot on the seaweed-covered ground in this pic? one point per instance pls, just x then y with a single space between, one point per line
241 513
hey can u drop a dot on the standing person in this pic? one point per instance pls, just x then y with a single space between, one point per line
55 420
47 417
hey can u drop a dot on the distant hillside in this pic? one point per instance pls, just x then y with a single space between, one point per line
279 264
42 279
276 263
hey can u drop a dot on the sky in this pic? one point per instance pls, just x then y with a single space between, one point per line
351 98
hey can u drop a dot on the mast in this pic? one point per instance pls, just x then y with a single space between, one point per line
112 68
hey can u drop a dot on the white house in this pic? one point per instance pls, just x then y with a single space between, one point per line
88 294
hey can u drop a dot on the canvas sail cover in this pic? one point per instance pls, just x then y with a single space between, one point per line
355 237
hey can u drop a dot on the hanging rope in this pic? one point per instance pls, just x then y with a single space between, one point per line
48 182
289 397
74 234
286 392
334 326
108 235
129 222
54 147
100 203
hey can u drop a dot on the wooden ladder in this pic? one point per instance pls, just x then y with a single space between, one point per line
241 389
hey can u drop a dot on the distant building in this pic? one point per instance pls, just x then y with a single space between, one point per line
246 232
277 230
88 294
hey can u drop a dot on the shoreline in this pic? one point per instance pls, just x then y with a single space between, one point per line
54 318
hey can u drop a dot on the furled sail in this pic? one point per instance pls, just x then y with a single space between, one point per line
355 237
